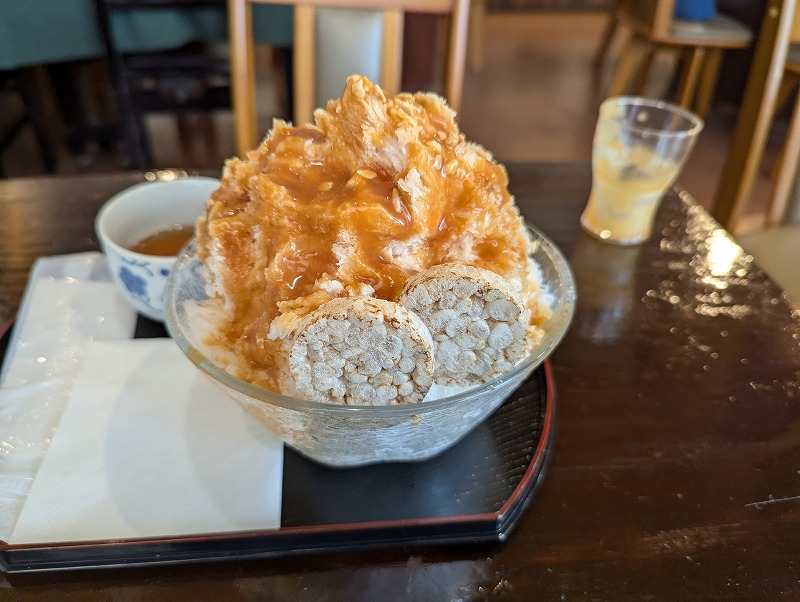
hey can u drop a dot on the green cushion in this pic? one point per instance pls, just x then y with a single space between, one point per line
51 31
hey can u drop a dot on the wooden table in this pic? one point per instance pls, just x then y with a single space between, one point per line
676 465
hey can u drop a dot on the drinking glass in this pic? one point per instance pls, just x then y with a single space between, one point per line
640 146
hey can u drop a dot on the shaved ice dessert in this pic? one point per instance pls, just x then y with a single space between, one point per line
365 257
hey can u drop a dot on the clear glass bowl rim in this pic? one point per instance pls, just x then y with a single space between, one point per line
555 329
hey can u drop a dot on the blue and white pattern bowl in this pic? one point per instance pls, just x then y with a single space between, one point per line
137 212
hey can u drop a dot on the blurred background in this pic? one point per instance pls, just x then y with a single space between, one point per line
531 92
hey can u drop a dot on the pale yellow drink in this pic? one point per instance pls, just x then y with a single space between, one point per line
625 194
639 148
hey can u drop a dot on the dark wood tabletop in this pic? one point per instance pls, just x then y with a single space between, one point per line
675 469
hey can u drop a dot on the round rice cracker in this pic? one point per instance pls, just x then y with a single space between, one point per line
478 322
361 351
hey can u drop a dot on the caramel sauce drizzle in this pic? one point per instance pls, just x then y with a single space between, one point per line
310 206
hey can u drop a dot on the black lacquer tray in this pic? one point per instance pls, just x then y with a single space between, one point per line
476 491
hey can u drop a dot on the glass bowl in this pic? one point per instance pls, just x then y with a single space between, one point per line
338 435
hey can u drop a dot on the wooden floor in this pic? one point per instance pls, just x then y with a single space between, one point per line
535 99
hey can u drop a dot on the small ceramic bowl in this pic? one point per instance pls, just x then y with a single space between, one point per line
140 211
338 435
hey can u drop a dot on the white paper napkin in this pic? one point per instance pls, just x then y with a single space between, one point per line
147 447
123 472
69 302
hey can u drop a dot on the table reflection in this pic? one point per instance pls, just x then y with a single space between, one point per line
604 274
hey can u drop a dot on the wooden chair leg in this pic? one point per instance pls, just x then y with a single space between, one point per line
629 60
208 129
690 78
605 41
788 85
644 72
787 170
708 82
392 51
143 139
476 34
305 78
243 76
186 135
31 94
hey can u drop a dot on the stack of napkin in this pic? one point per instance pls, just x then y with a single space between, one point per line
107 437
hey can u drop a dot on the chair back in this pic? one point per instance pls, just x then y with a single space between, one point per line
305 53
176 81
650 17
